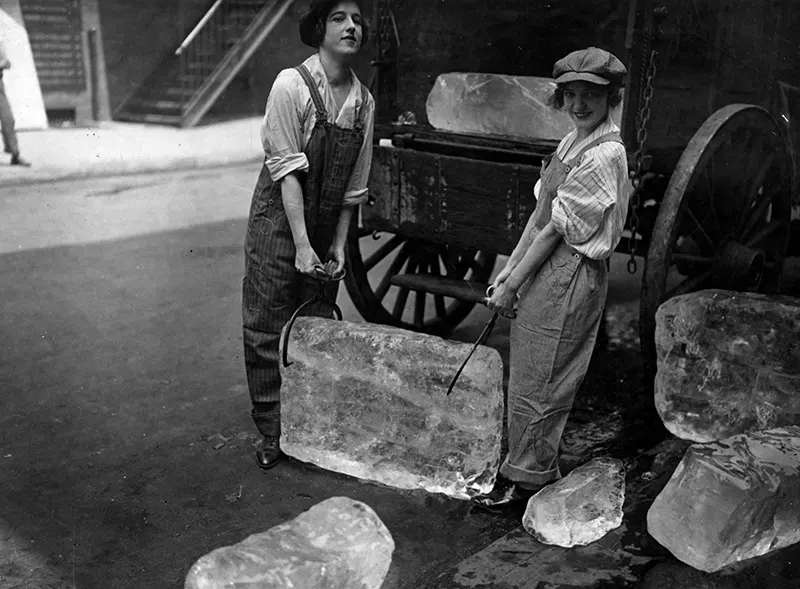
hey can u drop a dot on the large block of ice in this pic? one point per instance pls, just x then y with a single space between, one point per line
496 104
728 363
369 401
337 544
731 500
580 508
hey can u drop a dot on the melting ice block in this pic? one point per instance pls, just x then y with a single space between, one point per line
370 401
731 500
580 508
337 543
728 363
495 104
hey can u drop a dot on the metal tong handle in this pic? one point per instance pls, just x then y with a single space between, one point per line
323 278
481 338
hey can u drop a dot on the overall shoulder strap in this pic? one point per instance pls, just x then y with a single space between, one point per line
322 114
615 137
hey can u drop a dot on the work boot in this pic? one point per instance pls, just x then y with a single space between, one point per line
18 160
268 453
506 495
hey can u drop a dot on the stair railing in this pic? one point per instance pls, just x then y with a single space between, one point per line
202 48
237 50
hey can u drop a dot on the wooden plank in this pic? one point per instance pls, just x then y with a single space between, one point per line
444 199
465 290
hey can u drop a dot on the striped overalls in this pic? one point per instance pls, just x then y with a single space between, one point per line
552 339
272 288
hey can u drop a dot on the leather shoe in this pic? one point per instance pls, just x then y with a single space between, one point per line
505 495
17 160
268 453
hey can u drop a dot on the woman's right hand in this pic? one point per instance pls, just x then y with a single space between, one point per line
503 276
306 260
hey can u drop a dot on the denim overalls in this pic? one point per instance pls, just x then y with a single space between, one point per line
552 339
272 288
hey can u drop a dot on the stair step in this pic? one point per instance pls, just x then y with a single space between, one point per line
465 290
174 91
150 104
156 119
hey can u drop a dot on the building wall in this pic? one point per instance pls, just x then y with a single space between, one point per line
90 100
138 35
20 80
282 49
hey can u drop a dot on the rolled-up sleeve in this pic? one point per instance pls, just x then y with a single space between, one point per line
356 190
282 128
588 194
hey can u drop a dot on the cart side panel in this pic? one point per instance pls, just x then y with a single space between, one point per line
450 200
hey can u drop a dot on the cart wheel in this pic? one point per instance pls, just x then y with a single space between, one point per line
378 301
724 220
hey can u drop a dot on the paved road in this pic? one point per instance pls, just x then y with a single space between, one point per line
121 356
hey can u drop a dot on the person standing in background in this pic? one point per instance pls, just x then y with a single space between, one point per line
10 143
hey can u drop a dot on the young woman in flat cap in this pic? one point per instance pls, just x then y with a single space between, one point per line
317 136
558 273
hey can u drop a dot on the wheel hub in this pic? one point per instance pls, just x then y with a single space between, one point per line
740 266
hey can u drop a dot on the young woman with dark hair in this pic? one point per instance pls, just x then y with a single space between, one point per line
317 136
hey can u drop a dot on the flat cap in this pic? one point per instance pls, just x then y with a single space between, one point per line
590 65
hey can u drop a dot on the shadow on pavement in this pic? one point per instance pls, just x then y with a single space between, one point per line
125 431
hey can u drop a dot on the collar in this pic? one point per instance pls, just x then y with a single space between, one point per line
569 146
314 66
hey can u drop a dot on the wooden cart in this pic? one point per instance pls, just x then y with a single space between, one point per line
706 120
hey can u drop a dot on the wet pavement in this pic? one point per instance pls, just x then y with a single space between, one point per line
126 446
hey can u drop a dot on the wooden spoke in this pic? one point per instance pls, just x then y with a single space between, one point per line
464 265
757 176
679 258
768 230
756 214
688 285
397 263
400 304
380 254
419 308
699 226
438 300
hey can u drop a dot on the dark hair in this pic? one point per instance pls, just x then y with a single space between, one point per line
322 19
556 99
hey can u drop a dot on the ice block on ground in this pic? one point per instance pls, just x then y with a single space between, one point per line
336 544
580 508
370 401
731 500
728 363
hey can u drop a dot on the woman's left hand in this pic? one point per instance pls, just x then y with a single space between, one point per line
334 261
504 299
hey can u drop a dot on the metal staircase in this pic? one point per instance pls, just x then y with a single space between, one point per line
188 82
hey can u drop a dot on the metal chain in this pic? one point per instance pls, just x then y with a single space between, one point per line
642 162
